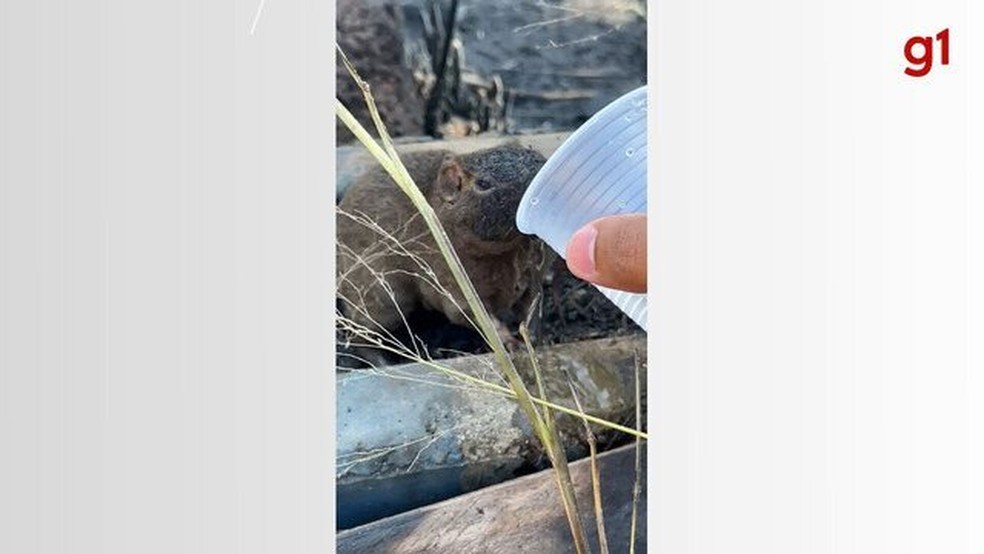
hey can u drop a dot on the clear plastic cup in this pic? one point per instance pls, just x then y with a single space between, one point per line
599 170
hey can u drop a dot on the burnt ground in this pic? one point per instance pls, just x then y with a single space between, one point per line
563 60
559 62
572 310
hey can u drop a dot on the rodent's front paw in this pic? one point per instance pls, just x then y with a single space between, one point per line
508 338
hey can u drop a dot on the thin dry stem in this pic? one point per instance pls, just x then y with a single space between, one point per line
595 474
555 451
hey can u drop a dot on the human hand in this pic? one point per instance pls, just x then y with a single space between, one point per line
611 252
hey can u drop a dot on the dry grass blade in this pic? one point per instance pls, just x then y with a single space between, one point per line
595 474
555 451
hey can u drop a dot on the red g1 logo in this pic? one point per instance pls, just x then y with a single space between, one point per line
919 53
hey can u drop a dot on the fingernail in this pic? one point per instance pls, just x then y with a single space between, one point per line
581 252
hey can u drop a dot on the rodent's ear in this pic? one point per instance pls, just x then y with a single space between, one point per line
451 178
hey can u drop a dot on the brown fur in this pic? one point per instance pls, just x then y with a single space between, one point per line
475 196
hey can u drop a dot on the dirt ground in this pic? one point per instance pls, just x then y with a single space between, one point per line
560 61
564 60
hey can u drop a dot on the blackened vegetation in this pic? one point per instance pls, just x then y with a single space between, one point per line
574 310
440 42
452 68
371 35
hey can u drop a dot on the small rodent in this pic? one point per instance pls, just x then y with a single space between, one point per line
475 197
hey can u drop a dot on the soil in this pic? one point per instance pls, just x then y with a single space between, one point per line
560 61
564 60
371 35
572 310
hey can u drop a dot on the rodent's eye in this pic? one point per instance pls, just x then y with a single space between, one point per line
483 183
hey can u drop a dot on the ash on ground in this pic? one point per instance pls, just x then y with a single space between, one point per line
451 68
571 310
